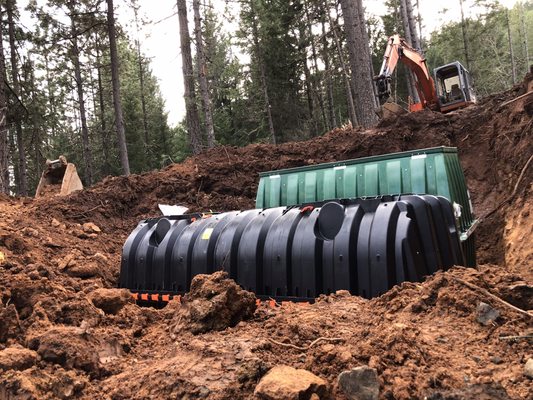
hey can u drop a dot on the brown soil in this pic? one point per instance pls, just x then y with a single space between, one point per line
65 333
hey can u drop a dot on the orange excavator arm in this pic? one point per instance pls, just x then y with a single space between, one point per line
399 50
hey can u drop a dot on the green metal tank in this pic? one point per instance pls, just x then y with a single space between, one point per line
433 171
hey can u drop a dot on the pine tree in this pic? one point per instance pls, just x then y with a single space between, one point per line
75 57
22 181
115 78
360 61
4 141
192 117
201 66
141 81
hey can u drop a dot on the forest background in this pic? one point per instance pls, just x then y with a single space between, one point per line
76 81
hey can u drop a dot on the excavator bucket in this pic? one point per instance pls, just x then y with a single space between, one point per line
60 178
391 109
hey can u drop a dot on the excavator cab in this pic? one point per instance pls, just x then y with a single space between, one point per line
454 87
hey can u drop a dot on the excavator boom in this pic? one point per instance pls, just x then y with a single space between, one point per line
399 50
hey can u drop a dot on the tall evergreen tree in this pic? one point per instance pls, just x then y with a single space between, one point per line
75 57
141 81
115 79
22 184
354 23
192 117
201 66
4 140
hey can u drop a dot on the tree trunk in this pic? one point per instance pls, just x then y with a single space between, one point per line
36 117
259 55
308 90
524 37
345 74
141 83
420 37
103 128
360 61
406 22
360 11
51 99
327 67
267 104
315 85
302 33
415 40
192 117
511 53
4 141
75 56
115 80
202 78
22 183
465 38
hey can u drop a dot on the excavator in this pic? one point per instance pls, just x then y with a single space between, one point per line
449 89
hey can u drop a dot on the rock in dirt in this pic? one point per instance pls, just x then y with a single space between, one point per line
110 301
484 391
360 383
17 358
485 314
41 384
214 302
13 242
68 347
9 322
89 227
287 383
528 368
83 270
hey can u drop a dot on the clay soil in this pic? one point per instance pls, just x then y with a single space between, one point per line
63 336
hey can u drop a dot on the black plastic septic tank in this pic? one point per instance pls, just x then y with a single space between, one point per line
277 279
227 244
365 246
251 249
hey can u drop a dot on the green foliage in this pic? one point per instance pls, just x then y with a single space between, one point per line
281 47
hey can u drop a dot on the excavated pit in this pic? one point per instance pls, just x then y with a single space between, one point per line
59 337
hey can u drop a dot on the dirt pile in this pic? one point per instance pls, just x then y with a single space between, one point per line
214 302
66 332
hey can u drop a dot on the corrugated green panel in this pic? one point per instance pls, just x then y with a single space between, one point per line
428 171
328 184
394 177
292 189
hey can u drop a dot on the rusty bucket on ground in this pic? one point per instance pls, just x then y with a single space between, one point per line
60 178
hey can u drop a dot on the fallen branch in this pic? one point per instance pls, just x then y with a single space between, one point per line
516 337
84 213
513 193
493 297
313 343
515 99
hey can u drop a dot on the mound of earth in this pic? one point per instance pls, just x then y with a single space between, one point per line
214 302
66 332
